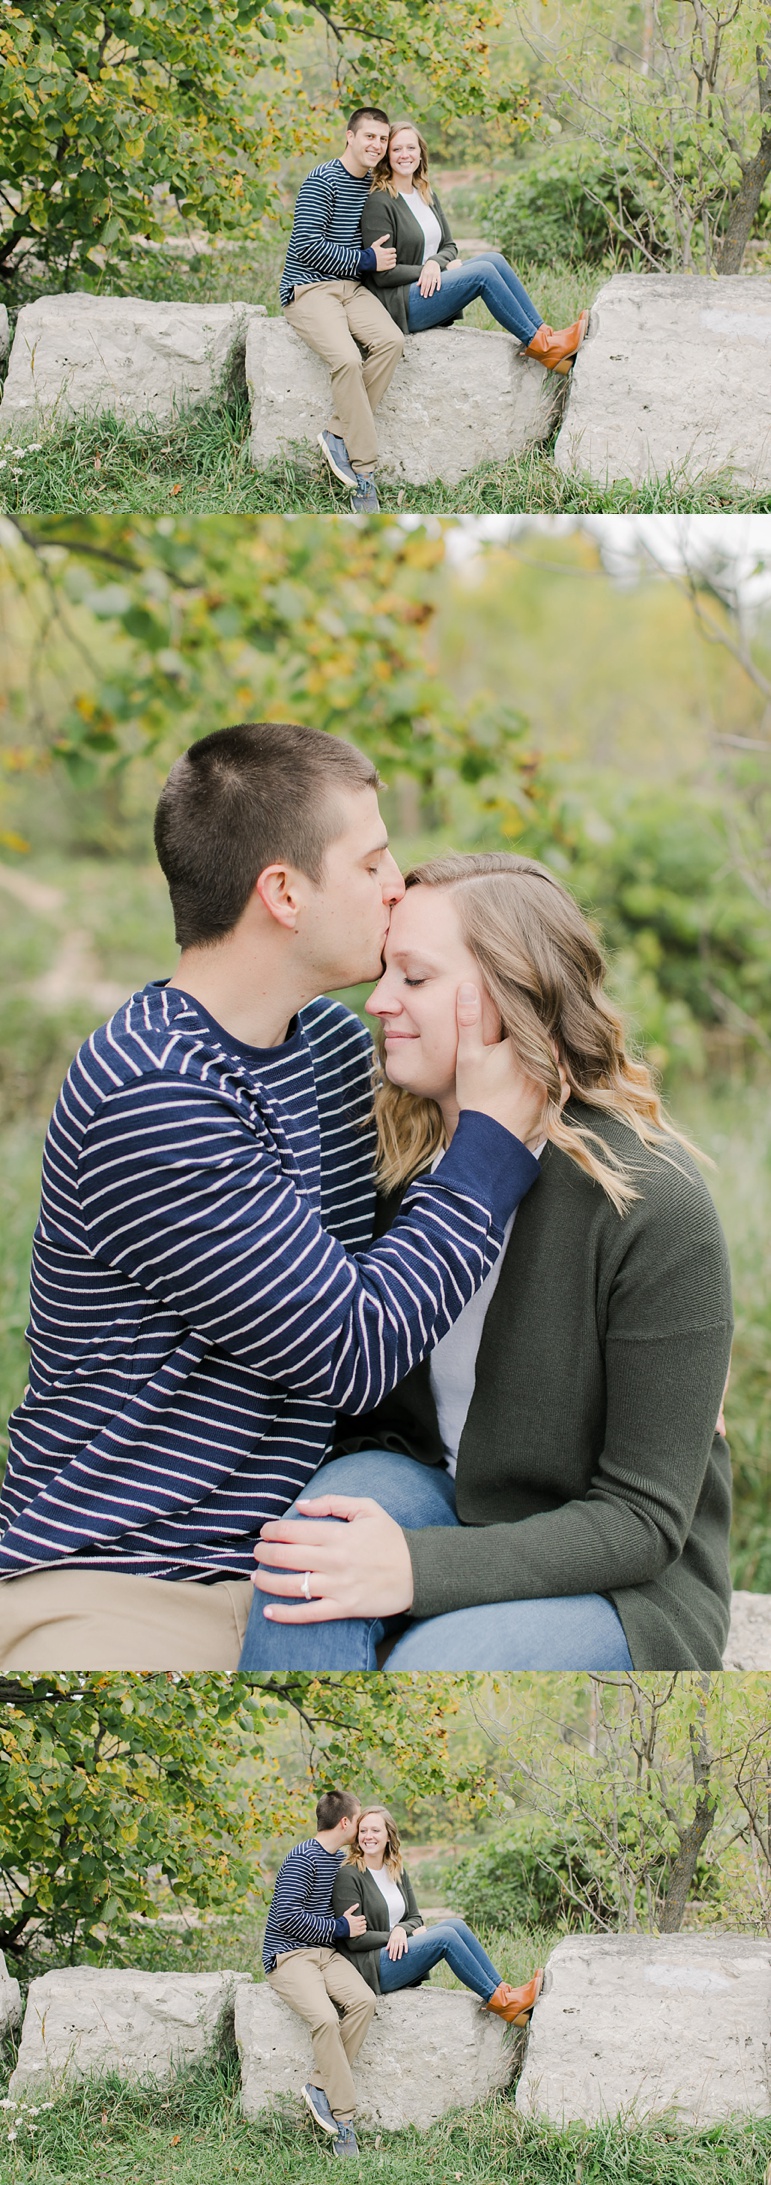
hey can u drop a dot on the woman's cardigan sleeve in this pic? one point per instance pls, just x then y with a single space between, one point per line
379 217
667 1351
348 1890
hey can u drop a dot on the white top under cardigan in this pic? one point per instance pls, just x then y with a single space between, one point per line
453 1363
392 1893
426 219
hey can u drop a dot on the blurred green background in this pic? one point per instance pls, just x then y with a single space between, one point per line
596 694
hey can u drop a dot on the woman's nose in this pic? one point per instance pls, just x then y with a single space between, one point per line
382 1003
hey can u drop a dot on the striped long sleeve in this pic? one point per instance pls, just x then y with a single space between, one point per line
301 1914
325 243
204 1293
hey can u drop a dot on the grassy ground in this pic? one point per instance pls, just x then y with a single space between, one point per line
204 465
195 2135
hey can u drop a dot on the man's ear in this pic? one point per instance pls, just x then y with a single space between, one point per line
278 892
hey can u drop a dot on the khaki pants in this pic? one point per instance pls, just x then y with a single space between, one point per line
334 317
92 1619
312 1982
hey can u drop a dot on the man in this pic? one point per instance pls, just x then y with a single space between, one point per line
305 1968
204 1295
324 300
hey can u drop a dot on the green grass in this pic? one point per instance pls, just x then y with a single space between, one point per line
202 464
194 2134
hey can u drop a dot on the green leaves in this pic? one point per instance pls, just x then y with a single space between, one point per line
118 1793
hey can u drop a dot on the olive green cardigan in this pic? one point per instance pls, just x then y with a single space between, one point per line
589 1461
387 215
356 1885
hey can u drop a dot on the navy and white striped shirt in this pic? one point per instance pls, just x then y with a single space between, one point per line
301 1916
325 243
202 1302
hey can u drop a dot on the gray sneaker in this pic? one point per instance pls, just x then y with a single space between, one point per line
365 500
320 2109
346 2142
338 458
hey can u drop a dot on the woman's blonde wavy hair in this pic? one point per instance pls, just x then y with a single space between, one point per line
392 1856
382 177
543 968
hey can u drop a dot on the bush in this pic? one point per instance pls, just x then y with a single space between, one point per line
521 1878
548 211
530 1874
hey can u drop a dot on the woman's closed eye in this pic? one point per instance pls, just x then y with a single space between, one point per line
414 982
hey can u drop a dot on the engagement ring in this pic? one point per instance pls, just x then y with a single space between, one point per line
306 1585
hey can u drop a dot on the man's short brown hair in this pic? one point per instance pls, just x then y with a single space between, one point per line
333 1804
258 794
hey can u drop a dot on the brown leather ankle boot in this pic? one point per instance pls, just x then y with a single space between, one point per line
557 351
516 2004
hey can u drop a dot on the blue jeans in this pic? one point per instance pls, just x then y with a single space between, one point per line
452 1940
581 1631
490 277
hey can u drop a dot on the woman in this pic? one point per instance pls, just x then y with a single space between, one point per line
397 1951
429 286
565 1430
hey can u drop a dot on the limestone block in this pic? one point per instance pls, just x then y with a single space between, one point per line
140 2025
426 2052
5 332
10 2000
79 354
673 380
749 1638
639 2027
458 397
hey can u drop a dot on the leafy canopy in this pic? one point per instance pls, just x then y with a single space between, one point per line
119 1791
113 114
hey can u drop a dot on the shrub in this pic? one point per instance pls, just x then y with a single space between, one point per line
549 210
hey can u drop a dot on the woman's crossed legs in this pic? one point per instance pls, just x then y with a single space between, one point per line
452 1940
580 1631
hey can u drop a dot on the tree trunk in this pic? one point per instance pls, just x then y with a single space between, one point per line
744 209
684 1868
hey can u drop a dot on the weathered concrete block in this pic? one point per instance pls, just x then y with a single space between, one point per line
5 332
749 1638
10 2000
80 354
673 379
640 2027
141 2025
457 398
424 2054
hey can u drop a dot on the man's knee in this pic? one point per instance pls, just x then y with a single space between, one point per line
361 2007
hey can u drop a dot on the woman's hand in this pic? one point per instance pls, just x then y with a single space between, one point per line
430 277
397 1942
359 1568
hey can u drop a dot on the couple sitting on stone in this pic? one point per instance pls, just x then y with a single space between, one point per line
515 1356
371 259
344 1928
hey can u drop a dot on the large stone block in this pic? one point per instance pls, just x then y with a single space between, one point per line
425 2053
637 2027
140 2025
10 2000
457 398
80 354
749 1638
673 380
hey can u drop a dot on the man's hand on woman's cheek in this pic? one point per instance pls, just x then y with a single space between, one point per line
360 1567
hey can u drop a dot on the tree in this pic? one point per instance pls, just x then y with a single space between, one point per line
120 1793
634 1792
208 620
680 103
112 113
